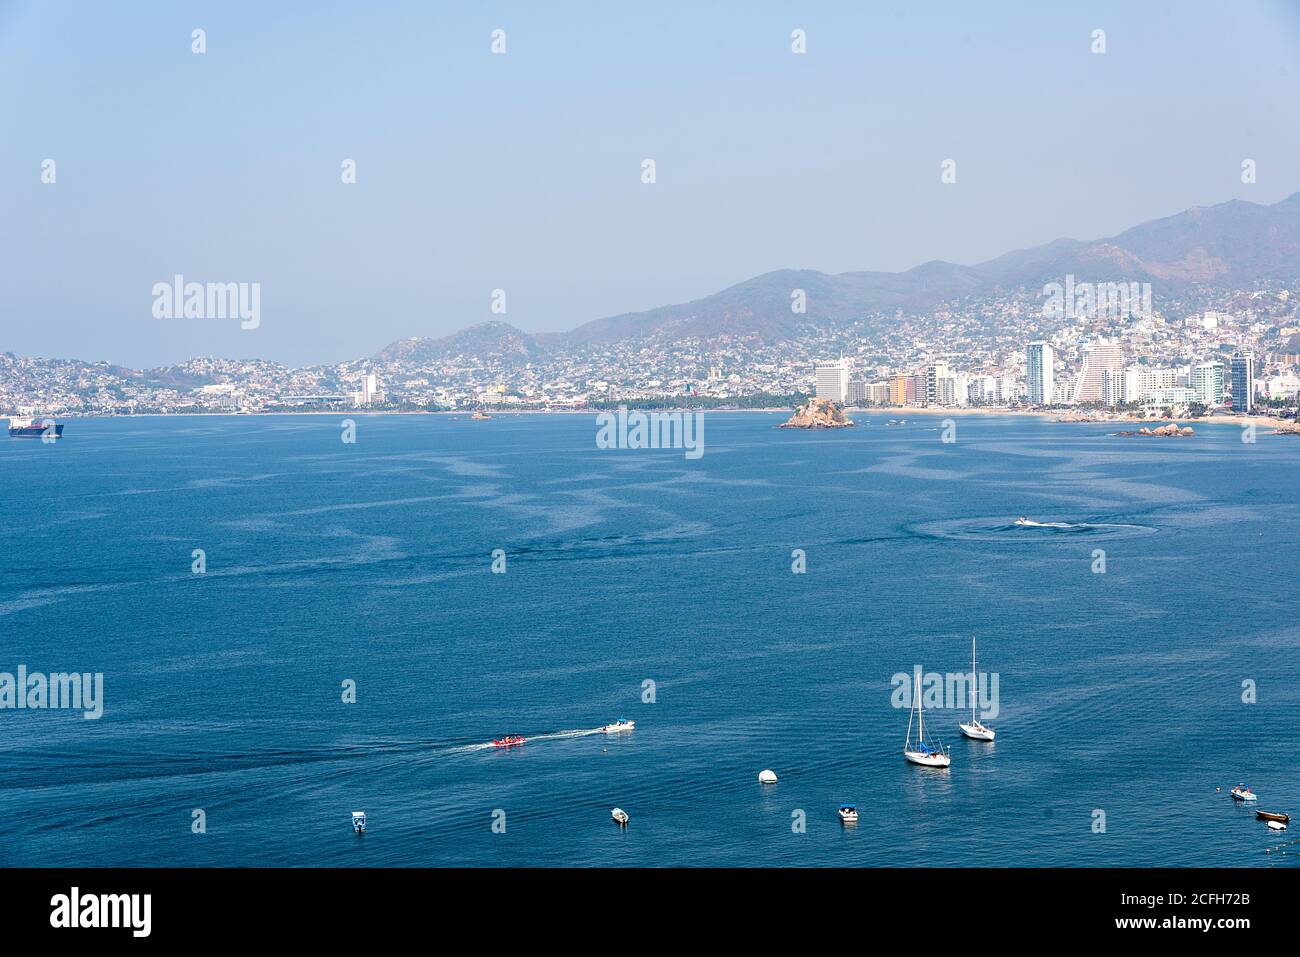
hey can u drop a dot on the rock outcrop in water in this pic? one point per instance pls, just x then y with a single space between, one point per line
1164 431
818 414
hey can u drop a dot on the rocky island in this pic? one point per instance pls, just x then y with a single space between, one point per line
1166 431
818 414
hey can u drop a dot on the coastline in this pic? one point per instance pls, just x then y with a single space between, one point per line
1059 415
891 410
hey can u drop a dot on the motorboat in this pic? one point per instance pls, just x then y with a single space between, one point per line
1276 826
975 729
920 752
1243 793
509 741
622 724
1273 816
359 821
766 777
620 816
848 814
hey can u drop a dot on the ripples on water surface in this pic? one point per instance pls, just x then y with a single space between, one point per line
1118 691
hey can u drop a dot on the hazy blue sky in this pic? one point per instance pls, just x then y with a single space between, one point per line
522 171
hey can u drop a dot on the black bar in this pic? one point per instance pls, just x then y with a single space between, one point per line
332 905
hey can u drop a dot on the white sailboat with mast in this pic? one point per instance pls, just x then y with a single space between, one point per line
975 729
920 752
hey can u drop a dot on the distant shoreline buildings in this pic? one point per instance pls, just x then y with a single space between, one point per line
1230 350
1106 379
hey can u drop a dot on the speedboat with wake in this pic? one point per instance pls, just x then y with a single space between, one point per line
1030 523
1242 792
509 741
622 724
975 729
922 753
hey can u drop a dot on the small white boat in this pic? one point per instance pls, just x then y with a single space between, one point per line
1276 826
359 821
622 724
922 753
766 777
1243 793
848 814
1030 523
976 729
619 815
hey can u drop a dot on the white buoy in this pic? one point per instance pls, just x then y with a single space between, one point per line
766 777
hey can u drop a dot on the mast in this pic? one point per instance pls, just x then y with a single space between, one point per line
908 740
974 681
920 720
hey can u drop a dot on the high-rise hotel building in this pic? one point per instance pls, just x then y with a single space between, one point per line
1102 356
1206 381
1243 382
833 380
1039 357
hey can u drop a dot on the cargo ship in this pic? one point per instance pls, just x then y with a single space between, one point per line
31 428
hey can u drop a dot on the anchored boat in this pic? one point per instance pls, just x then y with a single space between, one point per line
619 815
848 814
975 729
33 428
922 753
1273 816
359 821
1243 792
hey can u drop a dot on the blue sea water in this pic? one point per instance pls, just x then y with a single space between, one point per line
1119 692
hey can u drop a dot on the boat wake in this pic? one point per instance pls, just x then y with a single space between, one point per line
528 739
1028 530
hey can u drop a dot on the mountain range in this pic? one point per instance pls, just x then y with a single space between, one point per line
1232 244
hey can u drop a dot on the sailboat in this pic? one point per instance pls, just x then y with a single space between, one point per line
922 753
975 729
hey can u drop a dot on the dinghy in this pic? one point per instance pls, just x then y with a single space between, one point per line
619 815
1273 816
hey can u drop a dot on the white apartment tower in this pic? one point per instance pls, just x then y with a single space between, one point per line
1039 357
1207 383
